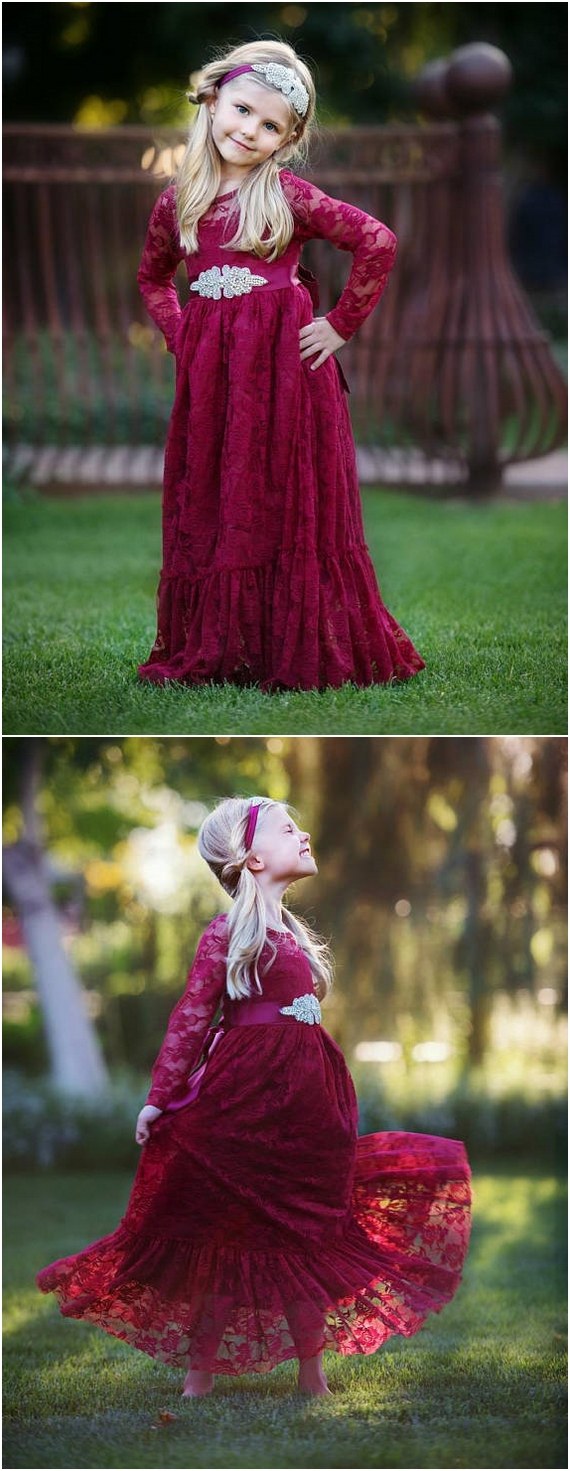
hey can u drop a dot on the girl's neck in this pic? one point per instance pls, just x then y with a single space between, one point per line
272 895
274 919
227 185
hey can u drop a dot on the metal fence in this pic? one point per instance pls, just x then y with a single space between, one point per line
453 364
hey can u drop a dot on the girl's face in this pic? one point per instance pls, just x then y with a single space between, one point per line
249 123
281 849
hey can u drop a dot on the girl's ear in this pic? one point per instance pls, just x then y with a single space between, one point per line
255 863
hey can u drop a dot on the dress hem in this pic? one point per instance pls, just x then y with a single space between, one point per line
229 1308
301 621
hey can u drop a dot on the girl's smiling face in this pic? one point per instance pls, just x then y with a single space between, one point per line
280 849
249 123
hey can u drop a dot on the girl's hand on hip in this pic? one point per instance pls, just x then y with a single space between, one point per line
319 336
147 1116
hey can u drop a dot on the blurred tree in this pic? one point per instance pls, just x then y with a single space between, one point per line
441 869
81 801
466 865
76 1058
398 822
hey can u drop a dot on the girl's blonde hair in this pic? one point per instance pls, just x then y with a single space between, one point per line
262 203
221 842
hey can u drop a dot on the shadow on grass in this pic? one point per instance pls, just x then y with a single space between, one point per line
481 1385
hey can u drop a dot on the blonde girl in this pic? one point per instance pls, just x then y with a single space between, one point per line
260 1226
266 577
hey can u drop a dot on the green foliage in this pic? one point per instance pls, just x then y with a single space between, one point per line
146 413
148 406
17 971
441 889
23 1042
480 589
482 1385
45 1129
516 1122
97 67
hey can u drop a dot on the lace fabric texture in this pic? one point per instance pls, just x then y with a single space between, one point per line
161 255
372 244
191 1017
317 216
259 1227
266 577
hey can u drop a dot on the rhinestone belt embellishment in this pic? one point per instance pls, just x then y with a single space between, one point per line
229 281
304 1009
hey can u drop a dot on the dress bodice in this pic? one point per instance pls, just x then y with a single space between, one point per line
282 978
315 216
286 975
217 227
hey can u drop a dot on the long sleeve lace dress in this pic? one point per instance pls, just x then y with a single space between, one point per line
260 1227
266 576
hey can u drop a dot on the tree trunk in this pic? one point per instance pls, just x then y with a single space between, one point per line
77 1065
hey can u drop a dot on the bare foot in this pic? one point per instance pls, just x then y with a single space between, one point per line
197 1383
313 1384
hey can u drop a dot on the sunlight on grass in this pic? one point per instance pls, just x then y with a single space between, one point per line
19 1312
483 1384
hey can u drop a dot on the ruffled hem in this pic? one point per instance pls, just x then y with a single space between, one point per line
301 622
230 1310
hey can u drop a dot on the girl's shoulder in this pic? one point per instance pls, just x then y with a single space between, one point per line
291 184
168 196
302 196
213 942
164 208
218 925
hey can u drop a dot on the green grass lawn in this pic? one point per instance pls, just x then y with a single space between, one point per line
480 589
482 1385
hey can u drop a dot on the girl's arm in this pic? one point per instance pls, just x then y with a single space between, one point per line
190 1018
373 246
161 254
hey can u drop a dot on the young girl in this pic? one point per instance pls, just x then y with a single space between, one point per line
260 1227
266 577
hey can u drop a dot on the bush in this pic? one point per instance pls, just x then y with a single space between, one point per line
44 1128
24 1044
491 1125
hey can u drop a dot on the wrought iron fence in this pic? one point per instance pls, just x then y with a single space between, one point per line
454 363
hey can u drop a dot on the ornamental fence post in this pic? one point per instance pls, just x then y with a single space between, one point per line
501 393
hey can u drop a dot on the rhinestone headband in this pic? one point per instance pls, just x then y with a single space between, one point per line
252 816
282 77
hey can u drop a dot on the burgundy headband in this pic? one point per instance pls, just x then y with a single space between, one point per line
252 816
236 72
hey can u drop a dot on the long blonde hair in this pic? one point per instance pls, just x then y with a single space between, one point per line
261 201
221 842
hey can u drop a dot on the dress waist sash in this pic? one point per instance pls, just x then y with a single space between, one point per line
236 1014
250 1013
220 279
216 281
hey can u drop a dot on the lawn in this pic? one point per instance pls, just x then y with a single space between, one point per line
480 589
482 1385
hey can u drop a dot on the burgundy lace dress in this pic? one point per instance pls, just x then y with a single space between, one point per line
266 577
259 1227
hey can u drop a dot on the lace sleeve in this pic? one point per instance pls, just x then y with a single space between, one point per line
155 276
190 1018
373 246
